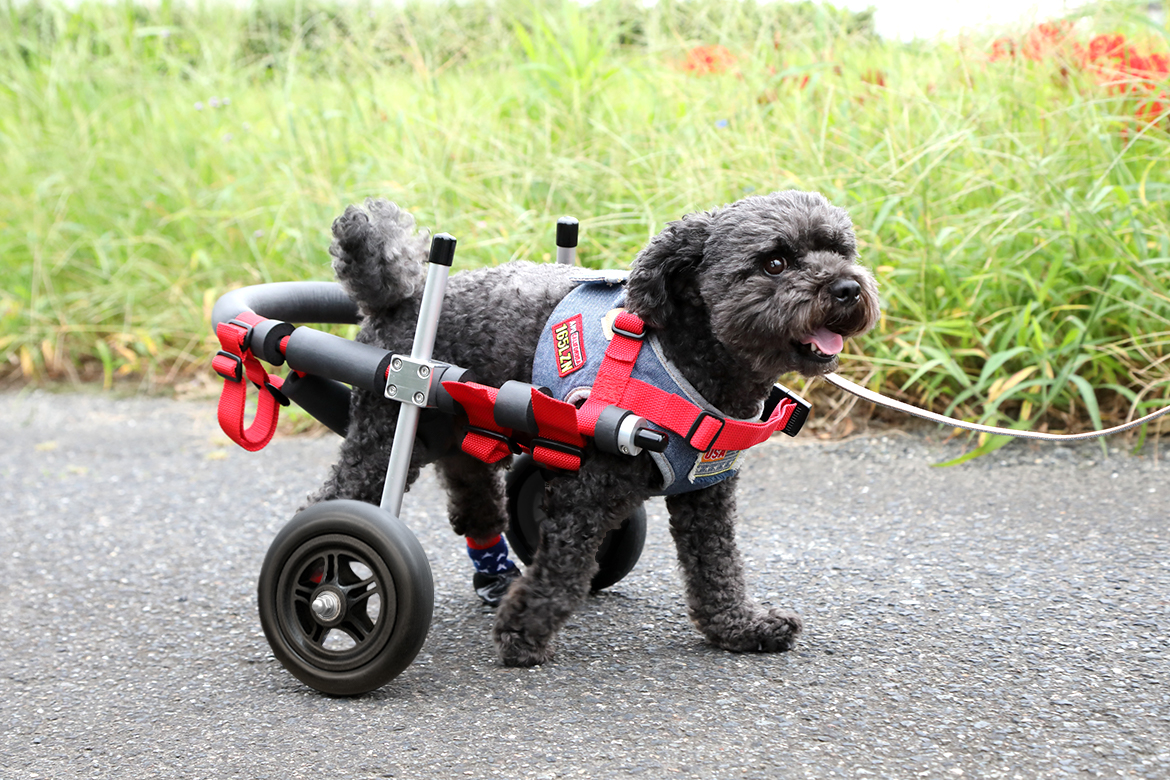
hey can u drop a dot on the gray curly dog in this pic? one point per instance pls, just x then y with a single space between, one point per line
737 296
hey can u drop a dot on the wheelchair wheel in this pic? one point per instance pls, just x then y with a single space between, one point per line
619 551
346 597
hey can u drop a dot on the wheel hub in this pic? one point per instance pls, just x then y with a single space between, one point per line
327 606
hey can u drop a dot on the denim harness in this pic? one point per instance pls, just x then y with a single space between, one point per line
569 356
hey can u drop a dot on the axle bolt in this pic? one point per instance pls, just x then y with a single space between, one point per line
327 606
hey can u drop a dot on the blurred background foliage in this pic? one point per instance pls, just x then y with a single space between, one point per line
1010 192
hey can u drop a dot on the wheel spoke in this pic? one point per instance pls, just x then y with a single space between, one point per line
358 627
301 594
318 634
356 594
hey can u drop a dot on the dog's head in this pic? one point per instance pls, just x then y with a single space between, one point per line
775 279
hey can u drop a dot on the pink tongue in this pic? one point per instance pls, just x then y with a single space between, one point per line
826 341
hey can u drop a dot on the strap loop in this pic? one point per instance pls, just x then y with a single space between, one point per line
233 363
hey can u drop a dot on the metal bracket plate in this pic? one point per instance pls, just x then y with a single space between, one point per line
409 380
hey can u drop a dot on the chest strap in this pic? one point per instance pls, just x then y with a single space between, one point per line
701 429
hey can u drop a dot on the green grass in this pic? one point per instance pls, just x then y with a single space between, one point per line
1018 221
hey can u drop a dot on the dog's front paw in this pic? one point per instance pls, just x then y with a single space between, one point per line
756 630
515 649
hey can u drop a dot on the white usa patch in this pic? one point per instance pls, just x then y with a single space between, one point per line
714 462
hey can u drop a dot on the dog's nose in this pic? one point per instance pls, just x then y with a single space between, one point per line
845 291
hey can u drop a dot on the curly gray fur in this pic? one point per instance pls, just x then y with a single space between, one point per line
708 283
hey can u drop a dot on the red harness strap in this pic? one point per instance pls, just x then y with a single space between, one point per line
485 439
233 363
701 429
558 443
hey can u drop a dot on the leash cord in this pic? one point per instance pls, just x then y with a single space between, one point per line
877 398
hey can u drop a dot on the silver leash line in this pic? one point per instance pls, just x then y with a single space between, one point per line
877 398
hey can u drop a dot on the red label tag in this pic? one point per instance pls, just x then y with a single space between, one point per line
569 344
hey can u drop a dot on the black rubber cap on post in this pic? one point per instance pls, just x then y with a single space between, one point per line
443 249
567 232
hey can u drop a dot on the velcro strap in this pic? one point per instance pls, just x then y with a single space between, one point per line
559 443
556 459
481 445
234 362
485 440
555 420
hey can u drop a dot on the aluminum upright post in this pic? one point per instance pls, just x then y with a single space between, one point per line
567 241
441 257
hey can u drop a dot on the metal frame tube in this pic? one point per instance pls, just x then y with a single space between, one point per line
424 344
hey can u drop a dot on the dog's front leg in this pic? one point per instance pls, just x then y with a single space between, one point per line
703 526
580 510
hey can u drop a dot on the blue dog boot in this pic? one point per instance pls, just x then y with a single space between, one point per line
491 587
494 571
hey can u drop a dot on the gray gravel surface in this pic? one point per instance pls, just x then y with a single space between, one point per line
1004 618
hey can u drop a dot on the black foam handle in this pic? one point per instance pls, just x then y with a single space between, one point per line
291 301
316 352
513 408
326 400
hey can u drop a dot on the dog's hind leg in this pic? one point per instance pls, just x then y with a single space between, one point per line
579 515
360 471
475 496
703 526
476 509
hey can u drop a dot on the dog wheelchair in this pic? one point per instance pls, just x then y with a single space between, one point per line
345 591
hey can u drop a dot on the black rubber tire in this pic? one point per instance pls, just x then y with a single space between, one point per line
317 551
619 551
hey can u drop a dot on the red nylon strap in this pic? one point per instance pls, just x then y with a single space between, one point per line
233 364
614 385
709 432
478 401
614 373
556 421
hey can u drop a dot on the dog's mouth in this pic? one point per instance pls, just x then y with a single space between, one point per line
822 345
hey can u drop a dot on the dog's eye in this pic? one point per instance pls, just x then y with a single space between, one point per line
775 265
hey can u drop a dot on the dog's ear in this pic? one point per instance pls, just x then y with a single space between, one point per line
664 272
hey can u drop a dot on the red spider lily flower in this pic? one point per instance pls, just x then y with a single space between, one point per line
1107 47
1046 40
1153 110
703 60
1003 49
1114 62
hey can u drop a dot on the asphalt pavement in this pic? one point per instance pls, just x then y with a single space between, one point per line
1006 618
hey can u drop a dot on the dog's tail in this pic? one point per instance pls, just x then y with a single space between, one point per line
378 255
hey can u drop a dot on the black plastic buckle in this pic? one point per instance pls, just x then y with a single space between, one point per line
247 335
627 333
238 375
277 393
513 447
695 429
799 415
